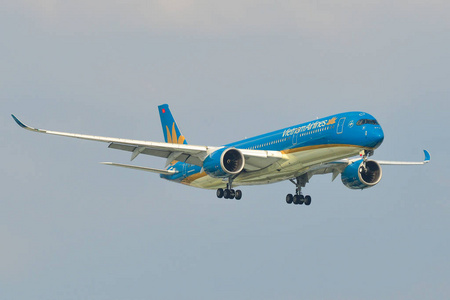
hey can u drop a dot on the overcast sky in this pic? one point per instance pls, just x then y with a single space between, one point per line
71 228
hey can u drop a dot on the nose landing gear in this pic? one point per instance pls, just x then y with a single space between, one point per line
365 154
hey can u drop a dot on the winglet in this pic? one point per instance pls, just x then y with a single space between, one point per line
23 125
18 122
427 156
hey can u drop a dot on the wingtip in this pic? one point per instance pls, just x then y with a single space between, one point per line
19 122
427 156
25 126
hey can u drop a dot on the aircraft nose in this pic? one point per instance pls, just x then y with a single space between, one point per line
375 137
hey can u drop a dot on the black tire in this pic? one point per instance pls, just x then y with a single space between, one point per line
226 194
307 200
302 199
289 198
238 195
219 193
232 194
298 199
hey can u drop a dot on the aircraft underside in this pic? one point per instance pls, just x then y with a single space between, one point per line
294 165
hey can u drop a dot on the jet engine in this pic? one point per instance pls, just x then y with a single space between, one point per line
361 175
224 163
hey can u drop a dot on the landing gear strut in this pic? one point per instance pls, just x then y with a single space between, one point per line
229 193
365 154
298 198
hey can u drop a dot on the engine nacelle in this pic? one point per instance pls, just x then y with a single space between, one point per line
355 176
224 163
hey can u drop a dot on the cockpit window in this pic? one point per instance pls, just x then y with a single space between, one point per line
367 121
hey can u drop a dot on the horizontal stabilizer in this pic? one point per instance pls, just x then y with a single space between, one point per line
159 171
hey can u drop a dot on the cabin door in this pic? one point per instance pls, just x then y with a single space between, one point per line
340 127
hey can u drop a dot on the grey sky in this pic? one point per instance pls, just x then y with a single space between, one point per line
71 228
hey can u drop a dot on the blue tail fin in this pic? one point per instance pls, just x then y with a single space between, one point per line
172 133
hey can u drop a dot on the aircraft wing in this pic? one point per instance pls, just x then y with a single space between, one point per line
337 167
189 153
192 154
406 163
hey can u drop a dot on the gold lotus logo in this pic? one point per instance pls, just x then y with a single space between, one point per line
332 121
172 138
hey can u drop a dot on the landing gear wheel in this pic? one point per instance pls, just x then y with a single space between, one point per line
289 198
298 199
229 193
307 200
219 193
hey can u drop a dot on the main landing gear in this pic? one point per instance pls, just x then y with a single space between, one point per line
298 198
229 193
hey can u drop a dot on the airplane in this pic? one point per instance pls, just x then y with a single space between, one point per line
295 153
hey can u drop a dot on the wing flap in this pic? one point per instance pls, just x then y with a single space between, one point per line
260 159
193 158
132 148
334 168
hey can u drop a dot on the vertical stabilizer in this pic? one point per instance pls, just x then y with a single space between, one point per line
172 133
